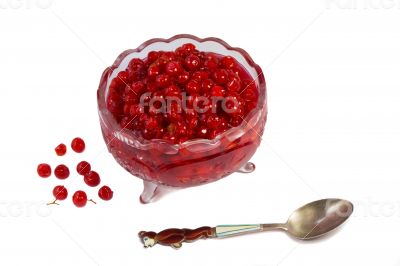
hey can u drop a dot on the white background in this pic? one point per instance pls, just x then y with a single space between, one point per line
332 70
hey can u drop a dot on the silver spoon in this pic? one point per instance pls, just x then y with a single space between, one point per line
310 221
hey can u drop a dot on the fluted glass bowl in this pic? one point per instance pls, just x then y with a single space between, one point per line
194 162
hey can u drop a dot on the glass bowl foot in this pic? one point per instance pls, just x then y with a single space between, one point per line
153 192
247 168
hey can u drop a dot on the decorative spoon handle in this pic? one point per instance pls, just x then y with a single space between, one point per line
175 237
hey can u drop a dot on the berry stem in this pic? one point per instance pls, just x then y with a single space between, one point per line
92 201
53 203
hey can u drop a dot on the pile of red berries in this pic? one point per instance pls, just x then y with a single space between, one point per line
182 95
90 177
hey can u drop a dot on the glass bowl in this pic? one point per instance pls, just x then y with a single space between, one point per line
163 165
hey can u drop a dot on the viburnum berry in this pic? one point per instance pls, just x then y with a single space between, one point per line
228 62
80 199
61 171
220 76
59 193
78 145
192 62
193 87
105 193
44 170
92 179
83 168
173 68
61 149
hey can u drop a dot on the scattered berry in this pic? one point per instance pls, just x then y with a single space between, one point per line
83 168
80 199
44 170
61 149
92 179
78 145
59 193
105 193
61 171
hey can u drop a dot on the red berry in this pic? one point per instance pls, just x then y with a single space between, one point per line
211 63
153 71
228 62
44 170
173 68
61 171
220 76
183 77
163 80
188 47
61 149
105 193
200 75
79 199
60 193
207 85
193 87
192 62
92 179
172 90
136 110
217 91
83 168
137 87
153 56
78 145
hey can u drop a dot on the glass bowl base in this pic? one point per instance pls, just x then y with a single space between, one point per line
153 192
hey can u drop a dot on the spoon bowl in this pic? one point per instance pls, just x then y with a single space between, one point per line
318 218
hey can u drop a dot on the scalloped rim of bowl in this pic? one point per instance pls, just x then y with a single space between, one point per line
127 136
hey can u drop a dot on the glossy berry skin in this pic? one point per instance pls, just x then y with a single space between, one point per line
228 62
173 68
220 76
61 171
61 149
44 170
60 193
83 168
105 193
192 62
78 145
92 179
79 199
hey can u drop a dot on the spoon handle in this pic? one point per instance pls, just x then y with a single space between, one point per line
222 231
175 237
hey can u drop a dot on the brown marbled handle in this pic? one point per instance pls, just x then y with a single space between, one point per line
175 237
